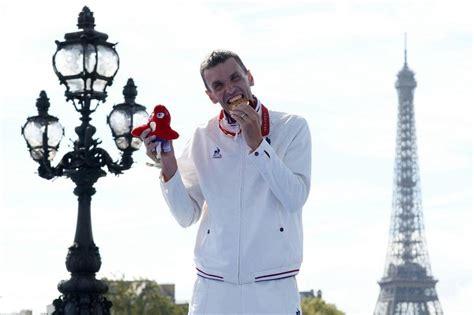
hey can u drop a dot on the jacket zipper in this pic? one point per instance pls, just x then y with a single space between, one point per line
240 203
280 221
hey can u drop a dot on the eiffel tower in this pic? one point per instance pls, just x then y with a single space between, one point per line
407 286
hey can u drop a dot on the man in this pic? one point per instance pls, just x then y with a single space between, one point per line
246 175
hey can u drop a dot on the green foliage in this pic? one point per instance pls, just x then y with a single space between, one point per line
317 306
146 297
141 297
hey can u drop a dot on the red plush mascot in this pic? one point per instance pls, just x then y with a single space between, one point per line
159 123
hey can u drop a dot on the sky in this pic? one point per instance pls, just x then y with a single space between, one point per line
332 62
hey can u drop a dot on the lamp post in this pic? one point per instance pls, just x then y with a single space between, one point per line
86 64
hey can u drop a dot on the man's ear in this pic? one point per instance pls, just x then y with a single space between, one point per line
250 78
211 96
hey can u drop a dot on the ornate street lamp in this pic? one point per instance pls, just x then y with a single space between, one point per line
86 64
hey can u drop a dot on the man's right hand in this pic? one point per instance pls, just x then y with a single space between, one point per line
162 153
151 145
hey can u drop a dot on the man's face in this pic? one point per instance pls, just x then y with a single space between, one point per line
226 81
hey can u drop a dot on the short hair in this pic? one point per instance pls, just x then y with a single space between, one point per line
216 57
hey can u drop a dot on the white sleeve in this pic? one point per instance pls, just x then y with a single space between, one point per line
289 178
182 192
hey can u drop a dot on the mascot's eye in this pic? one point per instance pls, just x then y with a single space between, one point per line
160 115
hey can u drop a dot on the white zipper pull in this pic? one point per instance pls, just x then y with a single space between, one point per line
237 133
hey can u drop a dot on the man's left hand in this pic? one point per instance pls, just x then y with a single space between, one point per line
249 121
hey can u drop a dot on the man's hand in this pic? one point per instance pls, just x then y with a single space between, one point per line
160 153
249 122
151 145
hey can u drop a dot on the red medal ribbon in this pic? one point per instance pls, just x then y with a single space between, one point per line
265 128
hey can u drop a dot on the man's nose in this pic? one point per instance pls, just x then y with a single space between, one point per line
229 87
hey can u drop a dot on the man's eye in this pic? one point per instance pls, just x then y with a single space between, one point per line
218 87
160 115
236 78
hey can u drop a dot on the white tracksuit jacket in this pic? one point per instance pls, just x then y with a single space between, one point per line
250 203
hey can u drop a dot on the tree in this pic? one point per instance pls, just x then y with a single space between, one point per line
317 306
141 297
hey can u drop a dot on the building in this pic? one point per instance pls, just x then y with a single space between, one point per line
310 294
407 286
22 312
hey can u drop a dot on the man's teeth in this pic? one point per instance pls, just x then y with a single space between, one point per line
235 98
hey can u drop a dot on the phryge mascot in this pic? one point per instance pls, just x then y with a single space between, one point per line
159 123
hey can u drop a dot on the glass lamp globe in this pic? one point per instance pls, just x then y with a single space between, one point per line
85 62
126 116
43 132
